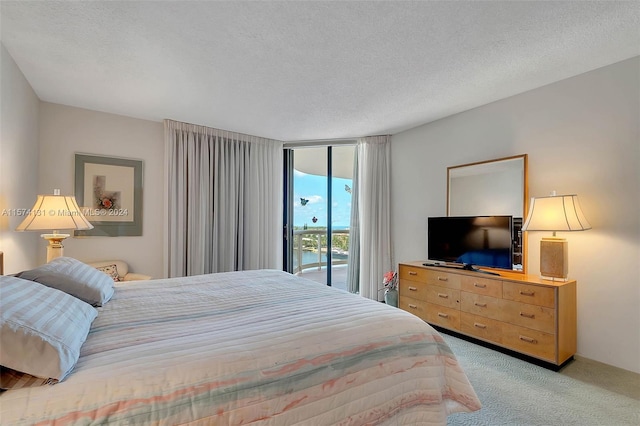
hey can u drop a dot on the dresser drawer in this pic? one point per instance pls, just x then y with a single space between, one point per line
413 273
416 307
481 327
413 289
443 316
477 304
527 293
530 316
484 286
432 277
443 296
531 342
443 279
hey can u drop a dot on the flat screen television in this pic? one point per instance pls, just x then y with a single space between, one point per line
471 240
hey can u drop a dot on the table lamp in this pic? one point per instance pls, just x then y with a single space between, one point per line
54 212
555 213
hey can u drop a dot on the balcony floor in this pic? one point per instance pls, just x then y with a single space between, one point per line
338 276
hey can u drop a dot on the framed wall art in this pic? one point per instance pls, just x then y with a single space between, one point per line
109 192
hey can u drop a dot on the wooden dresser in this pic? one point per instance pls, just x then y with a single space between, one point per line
519 312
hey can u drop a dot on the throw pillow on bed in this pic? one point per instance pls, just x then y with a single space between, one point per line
75 278
111 270
47 324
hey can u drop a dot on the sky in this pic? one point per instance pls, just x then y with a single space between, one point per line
314 189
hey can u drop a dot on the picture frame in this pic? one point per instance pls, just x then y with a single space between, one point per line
109 193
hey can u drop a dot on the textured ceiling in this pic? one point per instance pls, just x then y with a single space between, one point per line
308 70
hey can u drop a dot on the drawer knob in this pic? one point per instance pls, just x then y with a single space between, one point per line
443 296
443 279
477 324
413 273
479 285
481 305
528 339
412 306
413 289
527 293
526 315
440 314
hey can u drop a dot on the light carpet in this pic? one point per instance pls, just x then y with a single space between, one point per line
516 392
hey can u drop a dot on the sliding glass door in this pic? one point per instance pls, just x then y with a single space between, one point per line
317 212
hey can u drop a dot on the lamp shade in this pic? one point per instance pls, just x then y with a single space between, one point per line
555 213
54 212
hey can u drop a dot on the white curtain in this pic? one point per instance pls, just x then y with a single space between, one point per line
224 200
370 229
353 267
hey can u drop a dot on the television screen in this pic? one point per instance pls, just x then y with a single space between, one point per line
472 240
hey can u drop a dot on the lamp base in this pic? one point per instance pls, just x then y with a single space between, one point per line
554 259
55 247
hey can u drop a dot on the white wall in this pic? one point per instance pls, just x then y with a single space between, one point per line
65 131
18 165
582 136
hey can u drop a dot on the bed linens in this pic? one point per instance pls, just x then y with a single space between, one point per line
75 278
254 347
41 330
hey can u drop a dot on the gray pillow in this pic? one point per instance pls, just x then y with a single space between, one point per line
75 278
41 329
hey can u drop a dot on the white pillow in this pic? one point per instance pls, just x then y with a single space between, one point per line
75 278
42 329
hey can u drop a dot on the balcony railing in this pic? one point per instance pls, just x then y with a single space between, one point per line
314 241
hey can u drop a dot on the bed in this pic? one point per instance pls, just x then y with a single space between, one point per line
254 347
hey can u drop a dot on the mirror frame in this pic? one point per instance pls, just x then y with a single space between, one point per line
525 197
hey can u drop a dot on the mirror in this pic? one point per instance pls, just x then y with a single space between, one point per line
494 187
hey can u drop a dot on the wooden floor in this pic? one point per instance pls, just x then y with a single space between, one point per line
338 276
